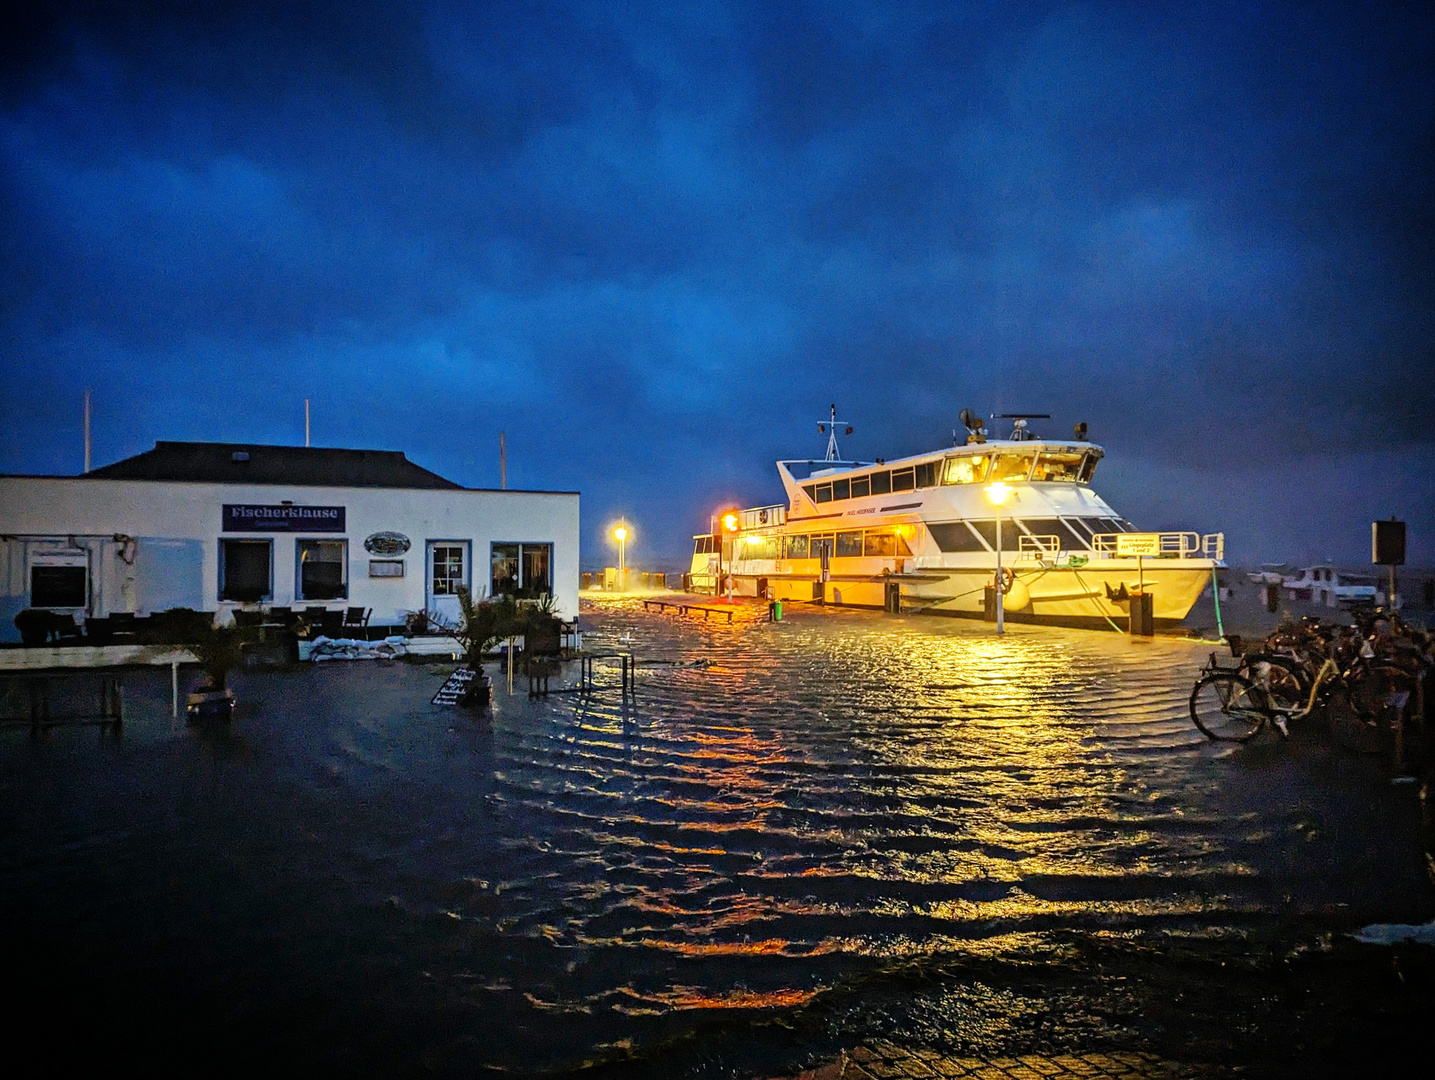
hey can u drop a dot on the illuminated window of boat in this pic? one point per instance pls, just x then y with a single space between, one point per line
1088 467
849 545
1059 466
819 544
824 493
903 480
1009 467
840 489
966 469
795 547
759 547
882 545
861 486
927 474
881 483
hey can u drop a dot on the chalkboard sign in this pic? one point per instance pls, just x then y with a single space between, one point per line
452 690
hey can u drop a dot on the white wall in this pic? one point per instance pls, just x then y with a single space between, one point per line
177 526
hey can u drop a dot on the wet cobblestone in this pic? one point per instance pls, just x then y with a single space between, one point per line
882 1060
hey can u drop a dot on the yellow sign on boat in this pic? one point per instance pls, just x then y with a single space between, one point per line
1132 544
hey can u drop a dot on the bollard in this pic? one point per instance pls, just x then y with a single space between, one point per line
1143 607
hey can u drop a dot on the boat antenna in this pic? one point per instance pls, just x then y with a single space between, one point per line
1019 429
830 428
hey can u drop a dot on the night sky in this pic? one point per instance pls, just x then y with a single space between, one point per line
652 243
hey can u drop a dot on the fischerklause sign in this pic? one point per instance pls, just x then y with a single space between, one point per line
243 517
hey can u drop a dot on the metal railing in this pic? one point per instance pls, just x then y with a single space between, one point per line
1038 547
1171 545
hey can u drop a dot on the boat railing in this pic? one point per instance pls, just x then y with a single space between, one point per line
1170 545
761 516
1038 547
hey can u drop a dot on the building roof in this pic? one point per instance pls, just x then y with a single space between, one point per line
248 463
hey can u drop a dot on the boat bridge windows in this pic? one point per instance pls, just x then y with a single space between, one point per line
1062 465
705 545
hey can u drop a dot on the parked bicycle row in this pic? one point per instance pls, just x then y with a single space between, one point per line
1365 680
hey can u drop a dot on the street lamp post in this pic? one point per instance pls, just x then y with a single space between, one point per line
621 535
998 494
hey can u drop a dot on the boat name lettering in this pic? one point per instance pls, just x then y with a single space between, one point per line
869 510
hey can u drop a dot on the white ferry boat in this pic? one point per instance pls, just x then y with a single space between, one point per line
924 534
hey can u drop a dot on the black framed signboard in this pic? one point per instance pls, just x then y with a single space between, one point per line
243 517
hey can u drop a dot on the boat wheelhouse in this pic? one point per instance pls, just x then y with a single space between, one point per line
922 534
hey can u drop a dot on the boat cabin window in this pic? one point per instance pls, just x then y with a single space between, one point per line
988 532
849 545
861 486
955 536
824 493
704 545
1087 468
818 544
1059 466
760 547
840 489
967 469
794 547
881 483
884 545
1065 534
1010 467
927 474
903 480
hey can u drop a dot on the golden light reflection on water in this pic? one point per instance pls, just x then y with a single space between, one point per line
862 788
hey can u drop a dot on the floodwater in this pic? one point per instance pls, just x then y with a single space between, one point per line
365 883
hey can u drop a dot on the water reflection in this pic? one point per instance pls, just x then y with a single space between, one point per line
830 794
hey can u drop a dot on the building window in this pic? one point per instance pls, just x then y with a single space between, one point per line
245 570
323 570
523 570
59 587
448 576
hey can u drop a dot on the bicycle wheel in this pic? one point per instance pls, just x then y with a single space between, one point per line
1228 707
1285 683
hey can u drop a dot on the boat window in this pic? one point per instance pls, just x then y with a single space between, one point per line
1113 525
881 483
882 545
818 544
860 486
988 532
967 469
902 480
758 547
1009 467
955 536
849 545
1088 467
927 474
811 490
795 547
1066 535
1059 466
824 493
703 545
1078 529
840 489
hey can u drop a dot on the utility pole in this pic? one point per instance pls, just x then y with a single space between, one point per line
87 429
306 421
503 461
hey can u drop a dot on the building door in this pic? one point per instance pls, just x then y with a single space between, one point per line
448 571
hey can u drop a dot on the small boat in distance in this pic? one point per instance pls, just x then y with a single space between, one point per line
923 534
1324 584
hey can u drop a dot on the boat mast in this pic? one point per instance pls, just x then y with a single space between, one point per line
830 426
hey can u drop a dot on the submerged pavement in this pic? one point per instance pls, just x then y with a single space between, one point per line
800 843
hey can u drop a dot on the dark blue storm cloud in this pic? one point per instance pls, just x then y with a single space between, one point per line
652 242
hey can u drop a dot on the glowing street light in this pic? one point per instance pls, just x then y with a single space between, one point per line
997 494
620 534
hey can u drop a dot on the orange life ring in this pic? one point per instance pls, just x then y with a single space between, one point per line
1004 579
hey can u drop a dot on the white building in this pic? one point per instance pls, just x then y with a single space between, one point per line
216 525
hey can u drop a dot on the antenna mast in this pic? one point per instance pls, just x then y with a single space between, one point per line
830 426
87 430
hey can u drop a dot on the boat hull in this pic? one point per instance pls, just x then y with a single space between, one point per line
1095 594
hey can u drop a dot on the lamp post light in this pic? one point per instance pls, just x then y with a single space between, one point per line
998 494
620 534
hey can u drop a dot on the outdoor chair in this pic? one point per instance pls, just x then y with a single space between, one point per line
279 616
357 616
247 619
331 624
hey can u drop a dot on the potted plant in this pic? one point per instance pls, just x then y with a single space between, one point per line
483 624
218 649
